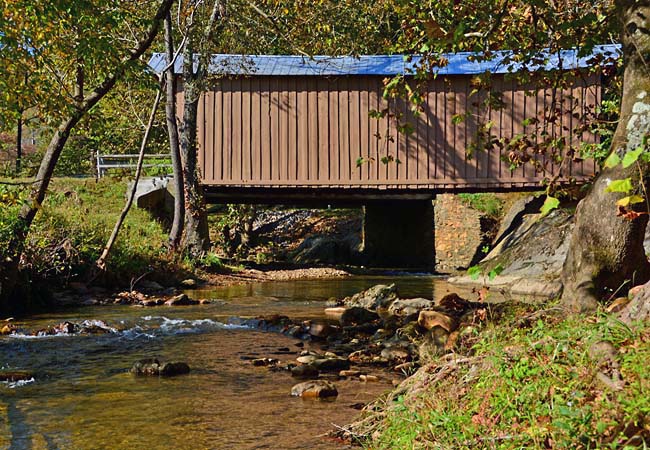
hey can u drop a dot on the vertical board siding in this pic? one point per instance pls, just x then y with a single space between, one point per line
311 131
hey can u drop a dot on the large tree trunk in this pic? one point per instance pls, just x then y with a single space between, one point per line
172 130
196 239
606 250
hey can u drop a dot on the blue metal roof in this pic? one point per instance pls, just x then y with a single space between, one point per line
383 65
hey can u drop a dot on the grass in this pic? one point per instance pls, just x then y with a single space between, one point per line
527 387
487 203
73 225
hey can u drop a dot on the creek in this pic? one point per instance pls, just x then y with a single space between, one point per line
83 397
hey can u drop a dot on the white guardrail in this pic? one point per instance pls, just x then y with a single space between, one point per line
105 162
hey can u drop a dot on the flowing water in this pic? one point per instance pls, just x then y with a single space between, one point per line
82 396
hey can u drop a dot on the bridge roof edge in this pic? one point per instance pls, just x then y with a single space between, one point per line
389 65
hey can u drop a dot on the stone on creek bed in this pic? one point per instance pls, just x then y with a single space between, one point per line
153 367
15 375
314 389
180 300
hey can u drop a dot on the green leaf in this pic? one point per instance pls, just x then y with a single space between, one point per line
549 205
492 274
624 186
360 161
631 157
474 272
630 200
612 160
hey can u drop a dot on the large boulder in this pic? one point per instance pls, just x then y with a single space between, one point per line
314 389
379 296
531 256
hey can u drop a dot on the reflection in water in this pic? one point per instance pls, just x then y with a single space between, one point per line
84 398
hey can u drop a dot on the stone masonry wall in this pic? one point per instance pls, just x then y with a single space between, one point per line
457 233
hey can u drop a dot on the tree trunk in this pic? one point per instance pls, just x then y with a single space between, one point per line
101 261
196 239
606 250
19 142
172 130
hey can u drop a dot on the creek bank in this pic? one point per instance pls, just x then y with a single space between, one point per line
589 384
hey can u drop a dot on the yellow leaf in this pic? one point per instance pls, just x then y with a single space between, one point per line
630 200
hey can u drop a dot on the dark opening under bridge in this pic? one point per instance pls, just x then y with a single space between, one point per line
289 129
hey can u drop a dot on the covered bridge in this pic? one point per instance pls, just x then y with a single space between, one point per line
289 129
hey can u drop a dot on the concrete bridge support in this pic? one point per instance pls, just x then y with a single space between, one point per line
399 234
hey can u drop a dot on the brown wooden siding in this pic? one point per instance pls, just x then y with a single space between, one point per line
310 132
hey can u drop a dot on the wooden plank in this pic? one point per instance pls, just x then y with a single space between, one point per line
205 135
302 116
217 132
246 130
283 123
364 127
236 152
354 125
344 129
275 128
312 113
373 131
256 131
265 128
227 129
334 155
481 114
323 130
292 130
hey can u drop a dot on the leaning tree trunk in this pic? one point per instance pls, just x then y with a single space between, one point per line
172 130
101 261
606 250
10 263
196 239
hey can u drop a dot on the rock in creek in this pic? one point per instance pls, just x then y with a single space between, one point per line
430 319
265 362
14 375
379 296
188 283
153 367
85 327
304 371
357 316
314 389
321 330
180 300
331 364
409 306
395 354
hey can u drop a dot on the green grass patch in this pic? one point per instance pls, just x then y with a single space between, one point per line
487 203
73 225
528 387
